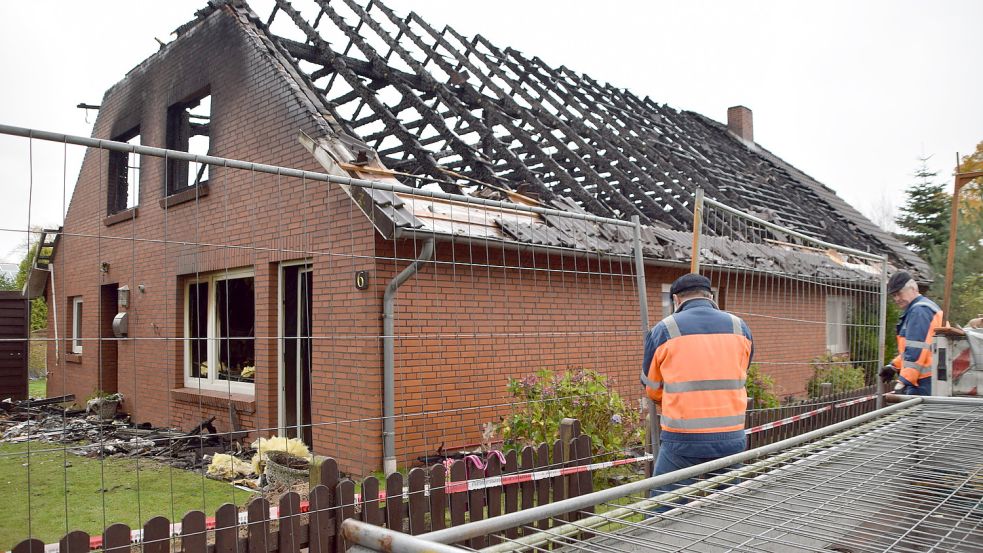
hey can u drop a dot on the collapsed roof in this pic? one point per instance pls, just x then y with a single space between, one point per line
473 118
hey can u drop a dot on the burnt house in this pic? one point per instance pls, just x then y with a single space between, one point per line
261 298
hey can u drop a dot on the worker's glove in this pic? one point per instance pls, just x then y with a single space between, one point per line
888 373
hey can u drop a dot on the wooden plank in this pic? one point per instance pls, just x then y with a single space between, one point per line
417 482
494 493
157 535
29 546
321 520
558 483
371 511
258 525
345 494
542 485
438 498
512 491
572 459
226 529
289 533
75 541
459 501
327 474
194 536
476 505
585 456
395 511
116 539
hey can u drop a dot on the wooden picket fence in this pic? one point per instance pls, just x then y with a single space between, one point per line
415 504
831 413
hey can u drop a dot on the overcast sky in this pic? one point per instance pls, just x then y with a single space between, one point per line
851 92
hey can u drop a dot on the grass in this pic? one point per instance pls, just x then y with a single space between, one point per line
37 388
49 491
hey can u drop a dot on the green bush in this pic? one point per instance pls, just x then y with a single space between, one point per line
863 333
543 399
761 388
836 370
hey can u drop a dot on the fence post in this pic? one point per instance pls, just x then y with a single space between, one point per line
694 264
825 389
569 429
652 443
881 332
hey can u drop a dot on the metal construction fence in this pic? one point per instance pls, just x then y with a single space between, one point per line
902 478
383 325
817 310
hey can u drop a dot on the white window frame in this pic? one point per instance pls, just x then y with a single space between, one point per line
77 325
212 382
666 299
837 319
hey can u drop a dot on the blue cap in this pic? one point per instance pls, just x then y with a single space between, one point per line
897 282
688 282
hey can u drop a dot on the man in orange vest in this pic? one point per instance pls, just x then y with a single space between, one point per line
695 366
915 331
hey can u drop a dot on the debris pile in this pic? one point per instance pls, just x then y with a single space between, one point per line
89 432
98 432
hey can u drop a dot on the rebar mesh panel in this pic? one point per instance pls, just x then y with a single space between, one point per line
914 482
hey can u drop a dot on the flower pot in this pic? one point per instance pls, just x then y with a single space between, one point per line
286 469
106 410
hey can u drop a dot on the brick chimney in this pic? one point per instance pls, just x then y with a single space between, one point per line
739 122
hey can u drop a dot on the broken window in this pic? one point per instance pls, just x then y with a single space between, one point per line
220 321
76 336
188 128
124 175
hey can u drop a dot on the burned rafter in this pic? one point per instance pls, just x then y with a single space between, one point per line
615 201
435 101
611 143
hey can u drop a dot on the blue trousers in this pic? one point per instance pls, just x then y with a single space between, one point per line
667 461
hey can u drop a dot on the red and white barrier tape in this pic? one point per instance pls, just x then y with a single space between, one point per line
806 415
136 536
496 481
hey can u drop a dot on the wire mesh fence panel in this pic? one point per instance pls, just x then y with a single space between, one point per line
242 323
815 309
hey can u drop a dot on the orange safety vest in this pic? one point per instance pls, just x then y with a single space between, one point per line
699 379
913 371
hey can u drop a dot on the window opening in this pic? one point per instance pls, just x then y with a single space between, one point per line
188 130
220 321
837 314
124 175
77 324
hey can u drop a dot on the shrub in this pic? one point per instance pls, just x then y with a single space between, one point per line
544 398
863 334
836 370
761 388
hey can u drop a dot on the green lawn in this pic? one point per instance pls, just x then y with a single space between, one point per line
88 494
37 388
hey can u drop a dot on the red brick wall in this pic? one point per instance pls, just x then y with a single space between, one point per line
477 316
247 220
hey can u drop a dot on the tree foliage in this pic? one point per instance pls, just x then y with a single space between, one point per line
39 309
925 219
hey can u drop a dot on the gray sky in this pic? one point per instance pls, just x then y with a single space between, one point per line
852 93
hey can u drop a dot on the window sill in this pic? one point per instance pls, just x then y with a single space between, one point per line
191 194
119 217
244 403
73 358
